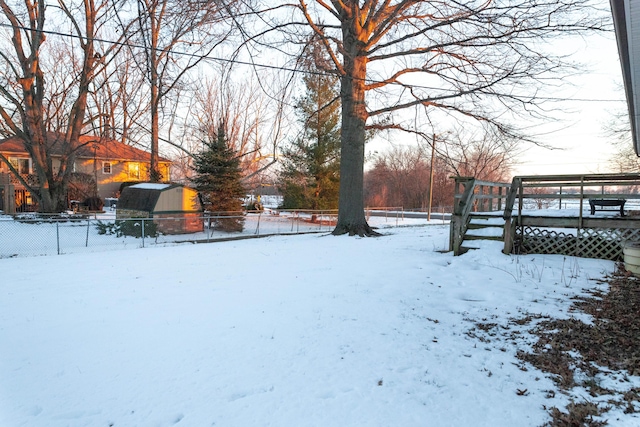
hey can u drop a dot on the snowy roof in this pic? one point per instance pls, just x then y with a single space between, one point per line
151 186
143 196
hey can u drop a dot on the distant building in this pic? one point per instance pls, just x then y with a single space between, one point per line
108 162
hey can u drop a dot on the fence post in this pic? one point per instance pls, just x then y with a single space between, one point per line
579 232
208 224
86 243
452 233
560 199
491 199
509 235
457 235
58 236
142 232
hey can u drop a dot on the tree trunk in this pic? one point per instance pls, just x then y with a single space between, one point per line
351 218
51 191
154 173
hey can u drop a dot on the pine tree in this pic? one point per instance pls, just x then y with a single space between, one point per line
217 179
310 176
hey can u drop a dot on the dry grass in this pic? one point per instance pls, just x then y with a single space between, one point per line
574 353
577 415
568 346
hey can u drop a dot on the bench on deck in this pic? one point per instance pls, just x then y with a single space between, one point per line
607 202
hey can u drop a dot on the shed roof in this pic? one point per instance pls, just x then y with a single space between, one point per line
152 186
142 197
145 195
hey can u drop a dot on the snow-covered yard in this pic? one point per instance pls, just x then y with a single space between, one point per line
33 235
308 330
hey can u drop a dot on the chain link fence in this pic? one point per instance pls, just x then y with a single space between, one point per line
37 234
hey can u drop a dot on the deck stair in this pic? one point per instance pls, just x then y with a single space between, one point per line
482 227
478 214
485 227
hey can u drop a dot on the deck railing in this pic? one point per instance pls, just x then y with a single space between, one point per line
572 233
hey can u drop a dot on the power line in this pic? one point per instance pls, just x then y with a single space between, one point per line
261 65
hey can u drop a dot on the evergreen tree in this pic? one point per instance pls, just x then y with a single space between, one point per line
310 176
217 179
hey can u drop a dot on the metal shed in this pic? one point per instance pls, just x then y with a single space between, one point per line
175 208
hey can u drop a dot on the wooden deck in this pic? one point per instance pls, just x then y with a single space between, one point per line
566 231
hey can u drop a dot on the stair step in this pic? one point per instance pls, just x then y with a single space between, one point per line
496 214
495 222
485 231
486 244
473 237
478 226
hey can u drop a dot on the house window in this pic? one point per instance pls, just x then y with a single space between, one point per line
134 170
106 168
22 165
164 171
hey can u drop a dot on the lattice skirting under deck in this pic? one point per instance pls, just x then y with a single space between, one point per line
601 243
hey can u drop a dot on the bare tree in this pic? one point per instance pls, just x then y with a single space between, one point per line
32 106
476 59
119 102
399 178
489 156
252 122
618 130
177 36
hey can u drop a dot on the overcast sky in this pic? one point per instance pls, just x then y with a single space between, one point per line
583 144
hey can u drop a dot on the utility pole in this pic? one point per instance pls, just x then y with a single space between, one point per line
433 155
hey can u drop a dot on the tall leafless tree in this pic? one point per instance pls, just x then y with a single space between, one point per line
34 103
119 102
475 59
176 36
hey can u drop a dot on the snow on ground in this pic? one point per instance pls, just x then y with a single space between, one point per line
307 330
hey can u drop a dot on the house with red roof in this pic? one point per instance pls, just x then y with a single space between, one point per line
105 162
